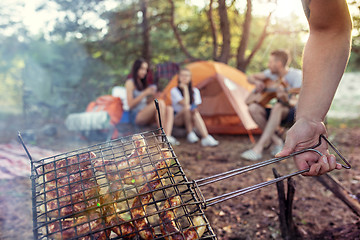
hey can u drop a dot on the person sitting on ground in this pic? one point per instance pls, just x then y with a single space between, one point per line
282 112
185 100
140 98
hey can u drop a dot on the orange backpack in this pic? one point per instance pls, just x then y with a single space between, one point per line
112 105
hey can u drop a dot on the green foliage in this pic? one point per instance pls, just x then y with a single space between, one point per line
343 123
354 61
124 33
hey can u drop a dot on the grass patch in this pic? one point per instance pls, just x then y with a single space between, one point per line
343 122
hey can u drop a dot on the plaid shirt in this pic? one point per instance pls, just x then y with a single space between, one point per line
166 70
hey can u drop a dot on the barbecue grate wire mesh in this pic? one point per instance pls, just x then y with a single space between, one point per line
131 187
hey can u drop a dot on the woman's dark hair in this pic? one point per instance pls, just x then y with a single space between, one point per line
191 90
143 84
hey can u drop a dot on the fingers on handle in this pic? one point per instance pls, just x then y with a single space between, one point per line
332 162
288 148
314 170
324 165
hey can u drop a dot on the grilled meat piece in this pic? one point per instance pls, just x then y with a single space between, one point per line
168 225
71 193
70 164
140 144
169 228
116 223
81 228
114 168
107 168
122 228
56 209
69 190
139 177
196 231
138 209
163 166
62 178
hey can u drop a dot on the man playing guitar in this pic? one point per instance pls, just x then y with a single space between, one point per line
277 81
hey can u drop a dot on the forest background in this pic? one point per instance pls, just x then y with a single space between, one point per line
58 55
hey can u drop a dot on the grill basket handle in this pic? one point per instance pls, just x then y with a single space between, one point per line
219 177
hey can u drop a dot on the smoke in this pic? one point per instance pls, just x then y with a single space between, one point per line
42 82
45 77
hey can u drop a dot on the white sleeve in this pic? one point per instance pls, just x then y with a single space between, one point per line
267 73
294 78
176 95
197 97
297 78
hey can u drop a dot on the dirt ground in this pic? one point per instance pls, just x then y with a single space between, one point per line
316 212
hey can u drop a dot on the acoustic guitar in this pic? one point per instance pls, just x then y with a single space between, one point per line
269 92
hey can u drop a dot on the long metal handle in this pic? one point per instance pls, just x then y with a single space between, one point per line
234 172
156 102
221 176
242 191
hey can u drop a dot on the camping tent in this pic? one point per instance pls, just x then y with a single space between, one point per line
223 90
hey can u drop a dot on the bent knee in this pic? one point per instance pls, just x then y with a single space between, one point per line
161 103
255 108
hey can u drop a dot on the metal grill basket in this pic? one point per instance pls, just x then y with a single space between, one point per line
126 188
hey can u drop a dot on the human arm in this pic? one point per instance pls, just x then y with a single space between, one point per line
324 61
325 57
132 101
185 101
258 80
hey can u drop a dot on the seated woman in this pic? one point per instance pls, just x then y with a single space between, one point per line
140 97
185 99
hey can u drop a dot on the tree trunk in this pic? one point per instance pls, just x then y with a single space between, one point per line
145 31
177 35
213 30
225 30
240 59
243 65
